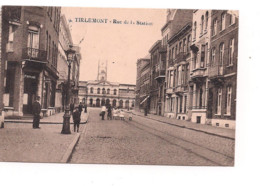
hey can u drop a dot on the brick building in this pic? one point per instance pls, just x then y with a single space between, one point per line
222 70
177 99
201 28
142 83
31 48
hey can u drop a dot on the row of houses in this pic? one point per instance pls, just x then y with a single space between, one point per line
191 73
33 60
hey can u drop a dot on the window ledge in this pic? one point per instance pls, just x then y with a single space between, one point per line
230 66
227 114
217 114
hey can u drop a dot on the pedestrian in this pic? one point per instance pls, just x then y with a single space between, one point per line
36 109
71 108
109 112
86 108
80 107
76 119
103 112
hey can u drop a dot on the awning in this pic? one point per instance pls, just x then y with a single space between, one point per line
144 100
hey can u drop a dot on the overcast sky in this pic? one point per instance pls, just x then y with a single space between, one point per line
120 44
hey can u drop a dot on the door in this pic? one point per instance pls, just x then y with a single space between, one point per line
30 89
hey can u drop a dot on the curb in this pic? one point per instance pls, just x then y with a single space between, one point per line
68 154
189 128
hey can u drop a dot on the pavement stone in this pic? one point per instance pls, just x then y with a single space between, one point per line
19 142
223 132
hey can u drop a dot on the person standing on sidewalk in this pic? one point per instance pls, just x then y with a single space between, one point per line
76 119
80 107
103 112
109 112
36 108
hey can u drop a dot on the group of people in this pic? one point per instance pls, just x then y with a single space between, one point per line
112 113
74 111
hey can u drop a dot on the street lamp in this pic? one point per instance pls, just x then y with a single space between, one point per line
66 118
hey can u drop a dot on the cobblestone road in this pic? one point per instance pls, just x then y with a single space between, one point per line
144 141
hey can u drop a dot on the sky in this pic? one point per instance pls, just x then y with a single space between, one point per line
118 44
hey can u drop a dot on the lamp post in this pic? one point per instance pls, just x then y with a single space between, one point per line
66 118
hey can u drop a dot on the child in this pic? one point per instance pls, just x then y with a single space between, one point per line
76 119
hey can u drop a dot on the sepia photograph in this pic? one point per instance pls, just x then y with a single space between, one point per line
118 85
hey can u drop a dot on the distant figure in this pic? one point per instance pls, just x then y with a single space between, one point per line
86 108
76 119
103 112
80 108
109 112
145 111
36 109
71 108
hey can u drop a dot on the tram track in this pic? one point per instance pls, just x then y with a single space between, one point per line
215 157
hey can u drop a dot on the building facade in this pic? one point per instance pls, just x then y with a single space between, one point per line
201 40
222 70
178 71
102 92
142 83
31 47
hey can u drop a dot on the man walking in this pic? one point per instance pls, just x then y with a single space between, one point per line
80 107
76 119
36 109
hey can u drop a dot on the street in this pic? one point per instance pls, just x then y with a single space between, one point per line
148 142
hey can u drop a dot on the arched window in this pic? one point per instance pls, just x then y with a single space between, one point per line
231 51
221 54
213 53
214 32
115 91
98 90
202 24
206 20
194 30
97 102
223 21
121 103
114 103
87 90
103 90
108 91
91 90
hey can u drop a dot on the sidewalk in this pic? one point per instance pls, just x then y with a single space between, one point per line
208 129
21 143
54 119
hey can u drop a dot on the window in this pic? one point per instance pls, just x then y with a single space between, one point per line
180 47
219 101
115 91
194 30
231 52
173 57
98 90
202 25
223 21
202 58
188 43
232 19
176 50
213 53
33 41
214 32
91 90
221 54
206 20
108 91
229 94
184 45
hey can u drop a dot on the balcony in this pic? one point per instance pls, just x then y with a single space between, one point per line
159 75
197 74
163 48
180 57
34 54
215 72
169 91
181 89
